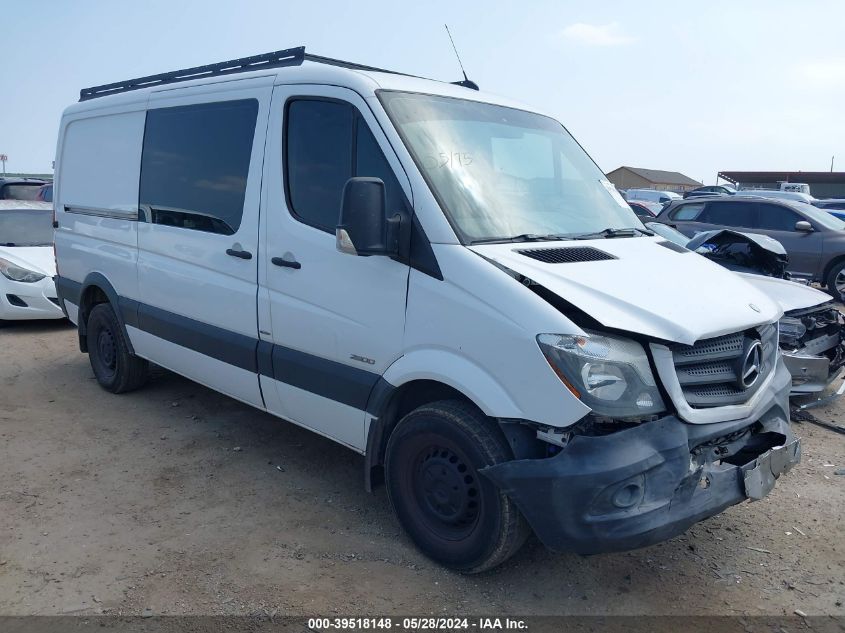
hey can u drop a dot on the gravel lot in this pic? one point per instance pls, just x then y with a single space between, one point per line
177 500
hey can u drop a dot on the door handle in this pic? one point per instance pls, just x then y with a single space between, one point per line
278 261
238 253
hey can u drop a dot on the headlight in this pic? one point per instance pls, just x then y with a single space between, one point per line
610 375
16 273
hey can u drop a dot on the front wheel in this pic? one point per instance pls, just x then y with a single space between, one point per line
836 281
455 515
116 369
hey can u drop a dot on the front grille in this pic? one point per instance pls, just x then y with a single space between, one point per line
569 255
714 371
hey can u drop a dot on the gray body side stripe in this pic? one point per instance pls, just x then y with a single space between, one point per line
224 345
339 382
352 386
68 289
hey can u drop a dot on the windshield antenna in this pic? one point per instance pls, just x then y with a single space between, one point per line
467 82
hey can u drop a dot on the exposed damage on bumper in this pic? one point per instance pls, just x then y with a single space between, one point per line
812 341
812 331
650 482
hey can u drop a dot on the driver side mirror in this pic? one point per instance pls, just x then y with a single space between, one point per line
364 228
804 226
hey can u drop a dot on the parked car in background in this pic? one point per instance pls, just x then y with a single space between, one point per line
812 330
801 187
45 193
710 190
645 210
20 188
814 239
778 195
27 263
834 206
651 195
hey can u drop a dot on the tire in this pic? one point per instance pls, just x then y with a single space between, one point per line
116 369
838 270
454 515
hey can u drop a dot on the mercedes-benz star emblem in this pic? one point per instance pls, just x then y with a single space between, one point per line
752 362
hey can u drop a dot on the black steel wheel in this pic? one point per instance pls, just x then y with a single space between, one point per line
454 514
116 369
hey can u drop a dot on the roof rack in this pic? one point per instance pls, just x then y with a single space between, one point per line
276 59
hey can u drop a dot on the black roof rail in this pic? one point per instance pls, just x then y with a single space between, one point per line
276 59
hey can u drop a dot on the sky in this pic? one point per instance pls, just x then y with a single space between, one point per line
697 87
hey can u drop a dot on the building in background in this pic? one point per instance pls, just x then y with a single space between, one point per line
638 178
823 184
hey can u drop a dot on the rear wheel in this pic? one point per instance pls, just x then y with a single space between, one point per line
116 369
836 281
455 515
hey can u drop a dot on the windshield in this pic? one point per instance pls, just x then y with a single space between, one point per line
26 227
822 217
501 173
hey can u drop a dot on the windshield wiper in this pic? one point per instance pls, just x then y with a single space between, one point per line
524 237
611 233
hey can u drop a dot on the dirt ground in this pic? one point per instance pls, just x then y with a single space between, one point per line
177 500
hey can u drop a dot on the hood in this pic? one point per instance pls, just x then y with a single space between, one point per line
742 252
789 294
37 258
644 285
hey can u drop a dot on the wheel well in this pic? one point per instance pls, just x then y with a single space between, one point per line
404 400
91 296
830 266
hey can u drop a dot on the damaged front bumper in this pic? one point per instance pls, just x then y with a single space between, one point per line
648 483
810 374
812 342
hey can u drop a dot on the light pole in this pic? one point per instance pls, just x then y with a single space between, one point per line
3 159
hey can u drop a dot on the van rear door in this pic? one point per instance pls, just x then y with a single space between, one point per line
200 190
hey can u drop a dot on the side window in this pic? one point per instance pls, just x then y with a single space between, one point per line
688 212
195 164
328 142
370 161
318 159
776 218
729 214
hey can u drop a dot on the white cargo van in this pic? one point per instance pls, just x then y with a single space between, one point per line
437 278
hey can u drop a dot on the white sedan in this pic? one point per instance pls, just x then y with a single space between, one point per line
27 262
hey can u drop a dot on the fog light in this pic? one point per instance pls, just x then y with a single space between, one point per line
628 495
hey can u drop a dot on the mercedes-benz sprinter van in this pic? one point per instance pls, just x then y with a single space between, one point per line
435 277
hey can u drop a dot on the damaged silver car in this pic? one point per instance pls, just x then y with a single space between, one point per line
812 330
